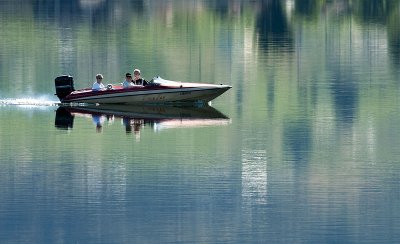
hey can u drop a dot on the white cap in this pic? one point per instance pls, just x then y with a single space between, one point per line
136 70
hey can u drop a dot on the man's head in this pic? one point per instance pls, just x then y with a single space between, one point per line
99 78
136 73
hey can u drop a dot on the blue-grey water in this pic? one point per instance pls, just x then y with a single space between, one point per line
303 149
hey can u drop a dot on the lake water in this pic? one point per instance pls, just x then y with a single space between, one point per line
303 149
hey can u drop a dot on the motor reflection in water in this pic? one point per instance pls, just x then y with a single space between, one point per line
134 118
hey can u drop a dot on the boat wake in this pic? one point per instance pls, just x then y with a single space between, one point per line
28 102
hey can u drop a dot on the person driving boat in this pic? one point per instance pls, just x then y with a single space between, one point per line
128 81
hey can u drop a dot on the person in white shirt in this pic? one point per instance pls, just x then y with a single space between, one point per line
98 85
128 81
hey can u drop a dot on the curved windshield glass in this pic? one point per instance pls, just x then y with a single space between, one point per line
160 81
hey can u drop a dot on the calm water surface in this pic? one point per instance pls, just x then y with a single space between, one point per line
303 149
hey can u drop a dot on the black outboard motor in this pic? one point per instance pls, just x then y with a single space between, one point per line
64 86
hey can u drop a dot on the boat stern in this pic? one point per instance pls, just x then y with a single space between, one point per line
64 86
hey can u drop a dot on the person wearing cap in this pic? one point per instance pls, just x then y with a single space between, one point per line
128 81
98 85
137 79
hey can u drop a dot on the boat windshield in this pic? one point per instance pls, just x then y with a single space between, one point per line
160 81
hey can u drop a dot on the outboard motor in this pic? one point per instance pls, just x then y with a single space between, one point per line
64 86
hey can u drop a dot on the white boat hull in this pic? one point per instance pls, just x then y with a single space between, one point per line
166 95
159 91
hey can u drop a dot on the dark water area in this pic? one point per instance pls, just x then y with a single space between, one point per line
303 149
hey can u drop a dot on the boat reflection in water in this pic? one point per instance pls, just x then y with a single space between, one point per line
135 117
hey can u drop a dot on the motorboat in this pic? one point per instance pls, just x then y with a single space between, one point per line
157 91
159 117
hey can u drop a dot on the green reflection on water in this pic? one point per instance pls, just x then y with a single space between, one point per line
314 110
